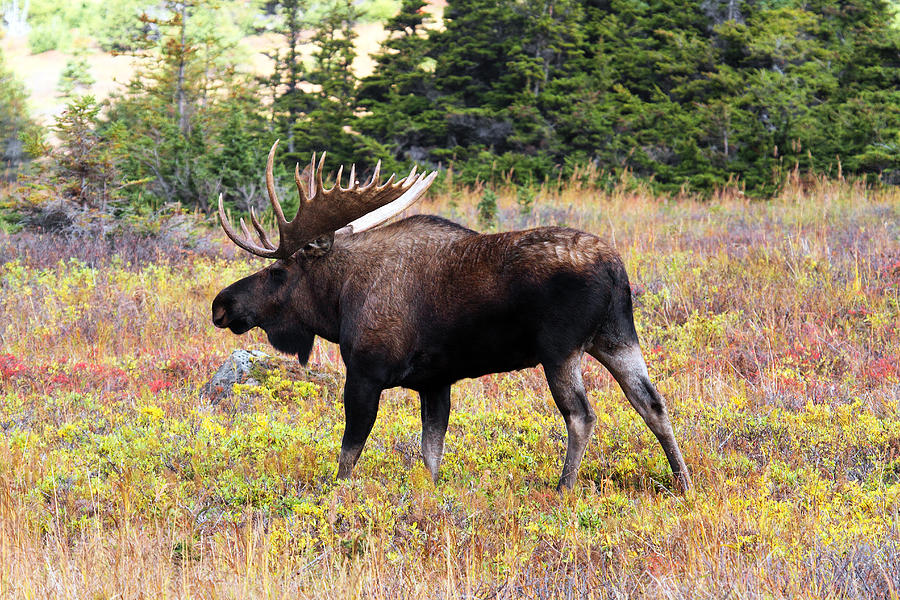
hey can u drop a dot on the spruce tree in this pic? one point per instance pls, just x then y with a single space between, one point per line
289 100
860 119
14 121
86 162
75 77
399 95
329 111
176 106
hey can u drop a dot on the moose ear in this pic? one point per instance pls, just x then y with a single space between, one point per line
319 246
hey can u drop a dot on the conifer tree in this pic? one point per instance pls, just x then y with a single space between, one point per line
86 161
75 77
860 119
14 121
329 111
399 94
176 105
289 101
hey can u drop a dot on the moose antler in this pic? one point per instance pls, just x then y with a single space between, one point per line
322 212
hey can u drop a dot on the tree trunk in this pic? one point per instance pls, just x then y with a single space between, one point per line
179 90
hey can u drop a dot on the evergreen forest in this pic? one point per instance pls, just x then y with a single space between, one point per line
688 96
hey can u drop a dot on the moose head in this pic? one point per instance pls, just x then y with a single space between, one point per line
264 299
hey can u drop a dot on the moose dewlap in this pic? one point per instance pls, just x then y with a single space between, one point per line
423 302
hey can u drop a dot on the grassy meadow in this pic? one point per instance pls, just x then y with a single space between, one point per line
773 329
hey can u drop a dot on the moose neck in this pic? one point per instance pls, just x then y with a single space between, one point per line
318 297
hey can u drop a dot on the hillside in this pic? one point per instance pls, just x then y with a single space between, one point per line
41 72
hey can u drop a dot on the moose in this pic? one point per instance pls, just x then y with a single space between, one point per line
423 302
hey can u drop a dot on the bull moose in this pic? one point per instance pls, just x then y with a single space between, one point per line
423 302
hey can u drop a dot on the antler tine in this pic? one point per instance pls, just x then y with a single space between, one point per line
352 183
312 178
244 229
319 184
409 179
234 237
301 187
406 182
374 179
270 187
337 183
263 237
387 183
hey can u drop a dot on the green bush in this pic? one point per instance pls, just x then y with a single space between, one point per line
525 200
121 29
379 10
51 35
75 74
487 209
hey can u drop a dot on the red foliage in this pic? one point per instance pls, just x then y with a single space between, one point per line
181 366
892 273
10 366
807 359
159 384
792 384
80 376
63 380
111 379
885 368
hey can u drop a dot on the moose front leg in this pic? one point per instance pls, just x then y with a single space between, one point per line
361 397
435 415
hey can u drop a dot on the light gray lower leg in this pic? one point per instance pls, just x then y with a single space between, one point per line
568 392
435 416
629 369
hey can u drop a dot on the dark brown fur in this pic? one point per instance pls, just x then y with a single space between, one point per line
423 302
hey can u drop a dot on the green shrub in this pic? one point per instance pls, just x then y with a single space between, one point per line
525 200
379 10
487 209
76 74
52 35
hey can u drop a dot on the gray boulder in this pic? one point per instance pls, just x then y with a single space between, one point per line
236 369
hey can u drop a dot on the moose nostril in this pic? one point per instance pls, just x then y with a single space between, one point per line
218 316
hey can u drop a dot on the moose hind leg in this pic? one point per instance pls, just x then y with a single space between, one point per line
629 369
361 398
435 416
568 392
